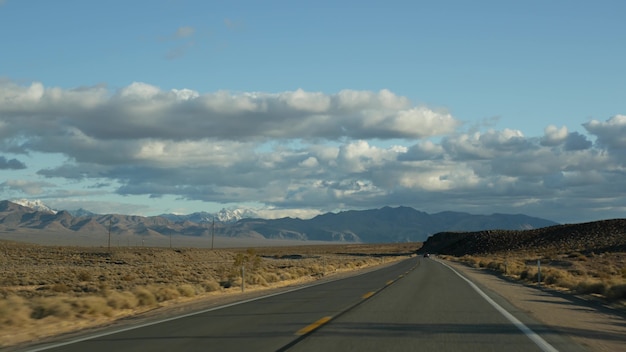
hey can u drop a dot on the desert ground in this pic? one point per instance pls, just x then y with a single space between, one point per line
51 290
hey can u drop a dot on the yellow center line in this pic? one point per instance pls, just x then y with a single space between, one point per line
368 295
317 324
389 282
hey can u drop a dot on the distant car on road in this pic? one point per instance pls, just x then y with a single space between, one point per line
426 255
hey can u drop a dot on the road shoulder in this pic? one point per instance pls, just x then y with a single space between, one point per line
588 323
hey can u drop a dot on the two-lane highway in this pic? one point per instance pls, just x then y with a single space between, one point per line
416 304
265 324
431 309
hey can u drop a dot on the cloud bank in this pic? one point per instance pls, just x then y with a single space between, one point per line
308 150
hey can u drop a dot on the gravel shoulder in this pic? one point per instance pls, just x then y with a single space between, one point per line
588 322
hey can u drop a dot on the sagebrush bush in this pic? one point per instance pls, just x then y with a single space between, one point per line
591 286
497 266
50 306
84 275
144 297
14 311
256 279
164 293
187 290
121 300
616 292
529 274
61 288
91 305
270 277
211 285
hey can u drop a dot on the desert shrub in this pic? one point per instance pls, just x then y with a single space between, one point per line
164 293
529 274
211 285
560 278
601 274
591 287
297 272
128 277
256 279
144 297
514 267
270 277
250 260
284 275
187 290
84 275
496 266
91 305
121 300
61 288
616 292
14 311
50 306
577 272
316 268
582 258
553 276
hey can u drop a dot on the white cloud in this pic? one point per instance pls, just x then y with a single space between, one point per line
140 91
31 188
554 135
611 133
300 150
184 32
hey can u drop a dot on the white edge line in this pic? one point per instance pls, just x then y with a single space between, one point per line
540 342
133 327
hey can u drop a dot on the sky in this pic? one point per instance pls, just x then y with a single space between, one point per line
299 108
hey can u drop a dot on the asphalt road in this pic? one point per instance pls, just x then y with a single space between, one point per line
416 304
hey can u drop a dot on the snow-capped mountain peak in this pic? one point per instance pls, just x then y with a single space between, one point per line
224 215
234 215
37 205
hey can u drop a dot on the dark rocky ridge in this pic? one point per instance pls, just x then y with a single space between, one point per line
598 236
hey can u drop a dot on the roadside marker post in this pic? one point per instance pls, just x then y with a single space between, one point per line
539 272
243 278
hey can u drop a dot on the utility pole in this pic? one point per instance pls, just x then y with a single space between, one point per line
213 233
109 234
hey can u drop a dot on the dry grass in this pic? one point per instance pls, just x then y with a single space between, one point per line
46 290
602 275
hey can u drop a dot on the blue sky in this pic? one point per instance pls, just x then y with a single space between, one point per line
148 107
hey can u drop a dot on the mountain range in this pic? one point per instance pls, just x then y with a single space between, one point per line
385 225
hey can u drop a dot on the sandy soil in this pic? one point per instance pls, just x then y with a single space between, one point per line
585 320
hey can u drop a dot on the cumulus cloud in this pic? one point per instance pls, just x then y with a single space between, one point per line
554 135
303 150
561 137
611 133
143 111
12 164
31 188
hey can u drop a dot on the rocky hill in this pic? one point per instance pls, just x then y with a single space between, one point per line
597 236
401 224
385 225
